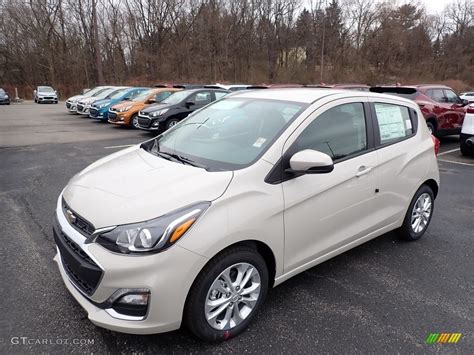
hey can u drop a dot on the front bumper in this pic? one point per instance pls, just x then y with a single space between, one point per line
47 99
167 275
83 109
148 124
99 114
119 118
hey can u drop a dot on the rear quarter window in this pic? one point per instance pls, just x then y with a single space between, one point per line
393 122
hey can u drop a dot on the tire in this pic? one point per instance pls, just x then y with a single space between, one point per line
410 230
134 121
204 290
172 122
431 127
465 151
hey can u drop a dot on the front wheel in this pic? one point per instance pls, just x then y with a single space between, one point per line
226 294
134 121
172 122
419 214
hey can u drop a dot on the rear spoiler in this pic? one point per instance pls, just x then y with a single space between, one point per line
392 90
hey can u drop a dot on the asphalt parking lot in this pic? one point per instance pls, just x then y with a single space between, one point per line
384 296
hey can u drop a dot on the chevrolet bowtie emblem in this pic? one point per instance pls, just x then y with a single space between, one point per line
70 217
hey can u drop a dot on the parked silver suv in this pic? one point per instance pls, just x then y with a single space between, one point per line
45 94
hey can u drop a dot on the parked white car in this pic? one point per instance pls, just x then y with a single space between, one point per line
71 103
194 226
44 94
469 96
467 132
83 105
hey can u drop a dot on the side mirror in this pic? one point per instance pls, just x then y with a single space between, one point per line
151 101
464 102
189 104
310 161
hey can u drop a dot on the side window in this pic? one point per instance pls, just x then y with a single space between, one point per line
338 132
162 95
219 95
437 95
451 97
134 94
394 122
202 98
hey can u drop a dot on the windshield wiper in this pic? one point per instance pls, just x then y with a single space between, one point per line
181 159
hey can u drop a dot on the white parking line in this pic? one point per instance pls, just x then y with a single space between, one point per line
449 151
455 162
123 146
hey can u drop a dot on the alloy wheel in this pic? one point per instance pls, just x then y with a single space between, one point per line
421 213
232 296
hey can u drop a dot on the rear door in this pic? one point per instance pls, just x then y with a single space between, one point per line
440 108
399 162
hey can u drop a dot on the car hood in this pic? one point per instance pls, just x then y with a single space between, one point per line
124 104
102 102
156 107
89 100
133 185
75 98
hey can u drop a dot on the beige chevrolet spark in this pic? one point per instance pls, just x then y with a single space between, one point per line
194 226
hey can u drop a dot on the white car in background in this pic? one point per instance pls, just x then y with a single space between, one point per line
469 96
71 103
195 225
467 132
44 94
83 105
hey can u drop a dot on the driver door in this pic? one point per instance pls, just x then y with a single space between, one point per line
324 212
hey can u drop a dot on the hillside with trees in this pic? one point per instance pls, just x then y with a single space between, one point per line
74 44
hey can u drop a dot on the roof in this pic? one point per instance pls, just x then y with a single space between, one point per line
309 95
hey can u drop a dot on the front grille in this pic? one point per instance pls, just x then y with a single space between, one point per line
80 107
112 116
68 105
144 122
80 268
93 111
47 98
79 223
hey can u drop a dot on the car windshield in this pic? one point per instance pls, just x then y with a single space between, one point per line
227 135
175 98
109 94
118 95
143 96
45 89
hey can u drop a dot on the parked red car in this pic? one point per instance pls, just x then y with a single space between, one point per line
443 109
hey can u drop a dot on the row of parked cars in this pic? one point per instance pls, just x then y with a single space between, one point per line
163 106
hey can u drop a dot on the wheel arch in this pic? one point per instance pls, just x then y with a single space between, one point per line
433 185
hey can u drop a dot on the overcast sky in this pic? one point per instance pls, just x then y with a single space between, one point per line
435 6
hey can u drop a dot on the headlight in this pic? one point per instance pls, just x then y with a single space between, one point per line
155 235
6 96
159 112
126 108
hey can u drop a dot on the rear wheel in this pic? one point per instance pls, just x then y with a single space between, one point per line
227 294
419 214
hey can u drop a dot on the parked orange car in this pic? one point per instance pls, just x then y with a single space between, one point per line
126 112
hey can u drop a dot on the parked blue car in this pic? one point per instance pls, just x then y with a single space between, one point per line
99 109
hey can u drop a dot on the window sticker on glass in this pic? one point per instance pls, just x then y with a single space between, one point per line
259 142
391 122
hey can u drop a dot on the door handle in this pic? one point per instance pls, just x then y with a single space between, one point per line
363 170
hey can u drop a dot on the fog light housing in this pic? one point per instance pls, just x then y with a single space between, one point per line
130 303
156 124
